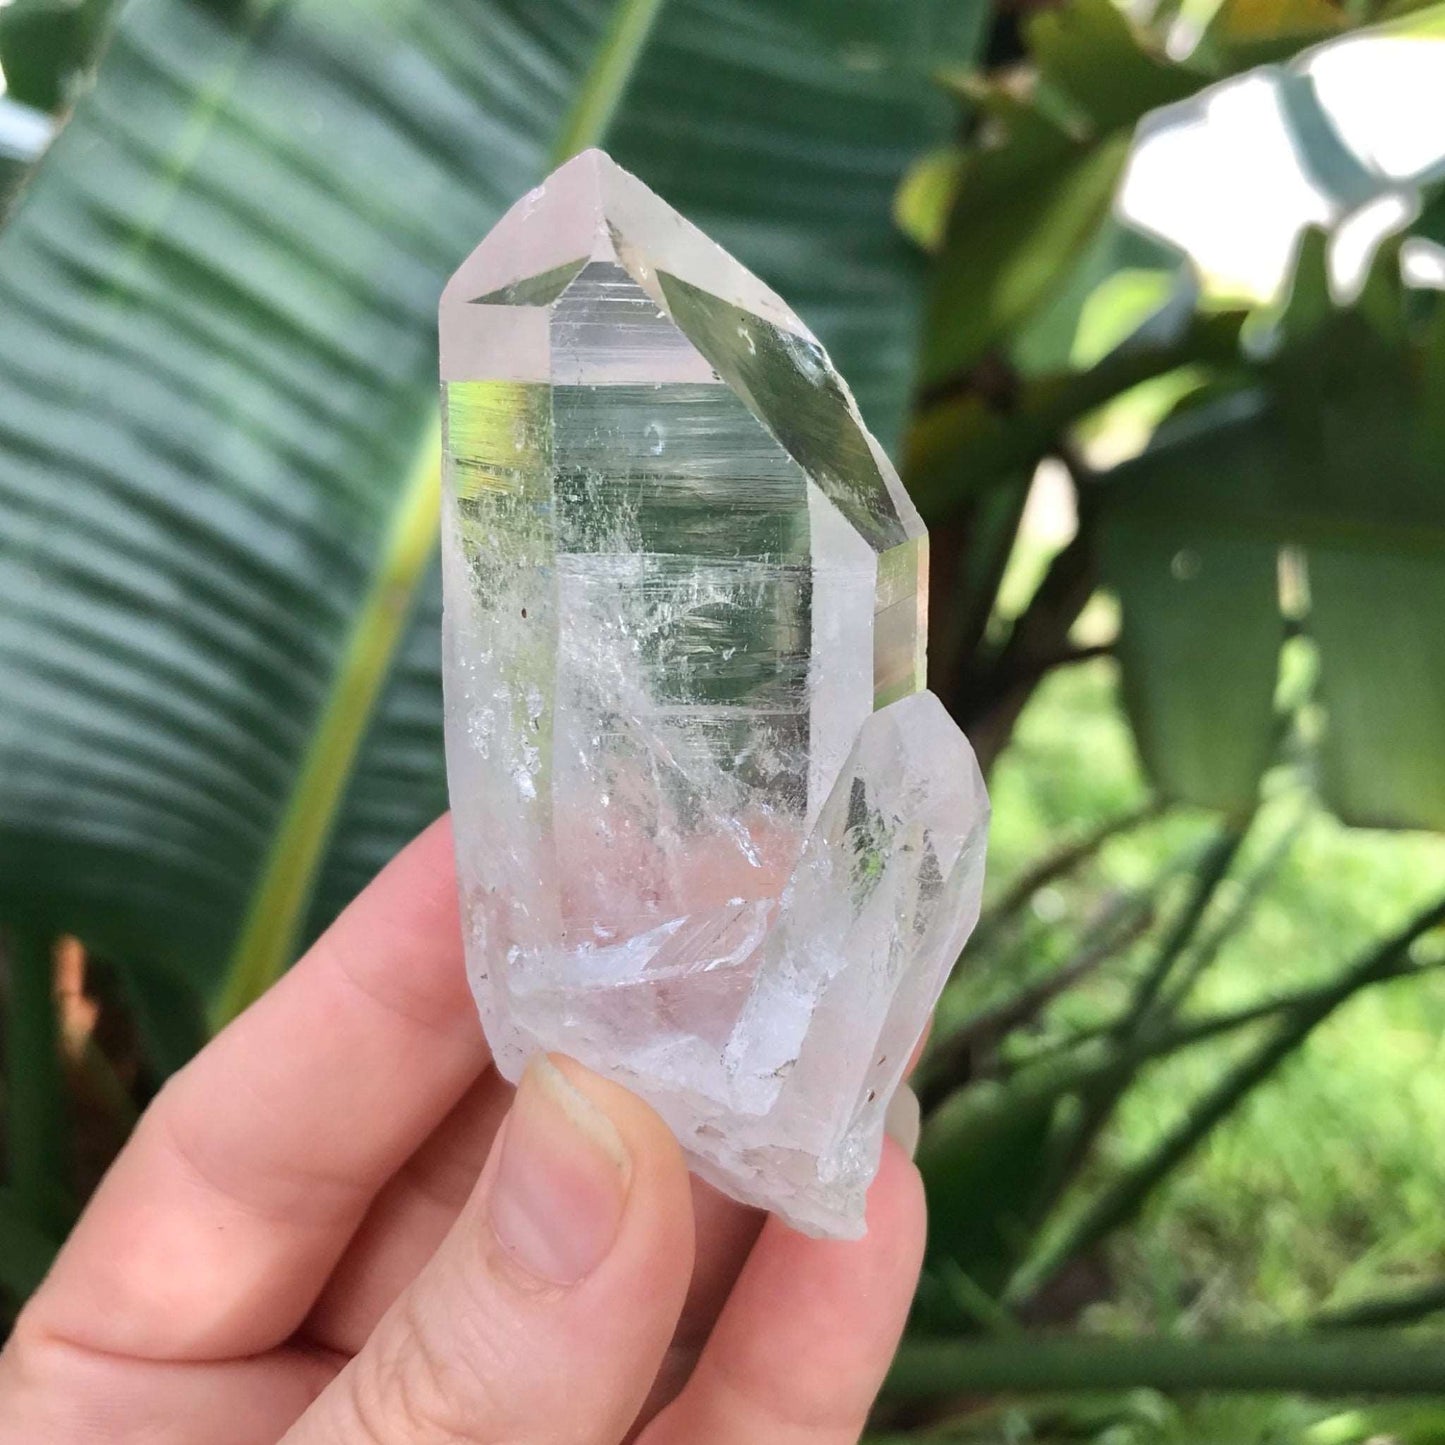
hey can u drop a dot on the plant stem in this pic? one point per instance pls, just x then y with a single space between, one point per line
1063 861
1141 901
1404 1308
988 706
974 547
277 913
1208 948
1122 1200
976 1303
1210 873
1188 1032
1129 1034
1094 1062
1337 1364
278 904
945 1066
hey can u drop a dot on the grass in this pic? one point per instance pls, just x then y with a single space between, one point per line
1142 1417
1329 1185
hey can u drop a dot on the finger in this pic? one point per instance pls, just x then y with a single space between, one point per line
409 1220
545 1314
726 1233
418 1207
801 1349
904 1120
57 1392
214 1231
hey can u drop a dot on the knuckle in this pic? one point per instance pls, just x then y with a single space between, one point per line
50 1390
409 1384
23 1378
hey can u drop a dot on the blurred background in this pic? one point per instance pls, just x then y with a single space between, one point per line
1146 302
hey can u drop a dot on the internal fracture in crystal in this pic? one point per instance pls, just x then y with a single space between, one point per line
714 840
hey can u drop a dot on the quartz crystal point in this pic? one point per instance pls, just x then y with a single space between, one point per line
714 839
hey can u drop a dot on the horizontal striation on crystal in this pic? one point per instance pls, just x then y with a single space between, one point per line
713 838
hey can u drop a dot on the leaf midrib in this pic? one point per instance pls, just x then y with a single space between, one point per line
278 905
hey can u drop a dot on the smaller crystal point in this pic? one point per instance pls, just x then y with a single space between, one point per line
714 840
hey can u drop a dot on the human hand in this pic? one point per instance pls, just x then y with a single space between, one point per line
312 1236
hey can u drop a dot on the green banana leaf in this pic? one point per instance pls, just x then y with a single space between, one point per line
1333 450
219 700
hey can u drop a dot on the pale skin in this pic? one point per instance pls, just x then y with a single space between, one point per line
338 1224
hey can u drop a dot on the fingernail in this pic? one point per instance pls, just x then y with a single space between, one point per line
562 1178
903 1121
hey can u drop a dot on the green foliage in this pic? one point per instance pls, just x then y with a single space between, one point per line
222 710
219 606
1199 647
1320 436
1024 203
46 47
1318 1189
1330 447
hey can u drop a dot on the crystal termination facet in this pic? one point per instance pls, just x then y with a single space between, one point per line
713 838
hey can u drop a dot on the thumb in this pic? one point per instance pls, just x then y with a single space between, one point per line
546 1312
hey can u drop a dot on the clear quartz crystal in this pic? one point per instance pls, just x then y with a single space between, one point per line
714 839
